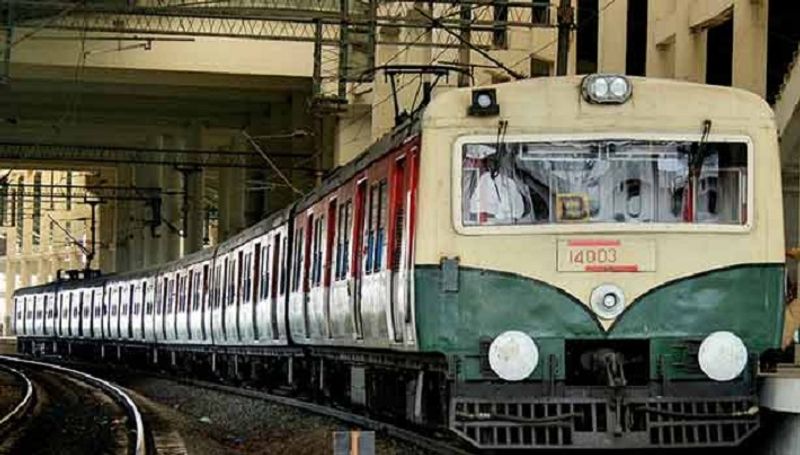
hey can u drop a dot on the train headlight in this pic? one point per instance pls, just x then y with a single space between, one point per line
722 356
513 355
607 301
606 89
484 103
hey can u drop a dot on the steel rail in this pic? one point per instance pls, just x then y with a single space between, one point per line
20 408
430 445
139 446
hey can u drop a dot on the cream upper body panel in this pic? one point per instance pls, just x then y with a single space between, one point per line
554 108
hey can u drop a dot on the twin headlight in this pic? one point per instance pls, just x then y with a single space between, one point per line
606 89
513 356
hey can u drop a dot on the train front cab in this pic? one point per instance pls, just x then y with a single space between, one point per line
600 274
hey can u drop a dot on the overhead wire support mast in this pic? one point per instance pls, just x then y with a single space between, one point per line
566 20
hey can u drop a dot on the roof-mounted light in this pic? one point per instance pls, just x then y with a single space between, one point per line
606 89
484 103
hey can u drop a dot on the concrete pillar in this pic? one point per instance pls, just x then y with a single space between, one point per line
150 176
750 45
122 222
194 211
169 235
690 50
612 36
231 202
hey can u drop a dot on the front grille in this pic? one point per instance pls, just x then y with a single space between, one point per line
602 423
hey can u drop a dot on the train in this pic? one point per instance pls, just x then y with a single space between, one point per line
589 261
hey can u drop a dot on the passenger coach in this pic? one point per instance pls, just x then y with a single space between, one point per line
559 262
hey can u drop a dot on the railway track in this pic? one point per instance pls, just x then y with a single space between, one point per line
16 408
426 444
73 411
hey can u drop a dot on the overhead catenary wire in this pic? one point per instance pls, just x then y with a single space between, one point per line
271 163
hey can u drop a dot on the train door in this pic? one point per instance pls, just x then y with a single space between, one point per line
330 235
180 306
122 312
318 290
115 302
305 288
273 294
244 319
128 328
255 297
184 305
170 317
191 299
261 316
234 294
47 313
205 292
60 321
74 313
161 315
218 289
150 304
398 247
359 232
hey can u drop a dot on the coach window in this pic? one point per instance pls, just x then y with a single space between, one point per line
370 221
265 278
344 234
247 272
380 227
316 254
231 281
277 268
297 255
170 296
197 283
604 181
283 279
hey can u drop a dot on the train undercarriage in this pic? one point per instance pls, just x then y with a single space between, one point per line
419 391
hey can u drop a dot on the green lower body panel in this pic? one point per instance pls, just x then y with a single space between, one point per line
459 318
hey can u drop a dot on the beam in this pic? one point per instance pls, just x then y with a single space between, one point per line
27 152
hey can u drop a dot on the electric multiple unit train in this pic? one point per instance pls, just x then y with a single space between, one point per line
559 262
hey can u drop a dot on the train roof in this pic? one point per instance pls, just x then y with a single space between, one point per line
262 227
342 174
38 289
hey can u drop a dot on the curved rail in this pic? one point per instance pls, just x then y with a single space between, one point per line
23 404
123 398
430 445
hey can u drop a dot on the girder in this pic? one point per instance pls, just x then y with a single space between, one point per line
72 154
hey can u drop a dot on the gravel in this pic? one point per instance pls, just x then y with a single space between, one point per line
11 391
211 422
69 418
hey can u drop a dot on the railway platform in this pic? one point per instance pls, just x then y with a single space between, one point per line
780 396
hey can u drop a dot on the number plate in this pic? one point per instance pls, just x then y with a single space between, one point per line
606 255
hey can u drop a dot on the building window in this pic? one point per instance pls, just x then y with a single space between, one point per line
68 191
540 12
540 68
3 202
20 215
636 50
719 54
37 208
500 31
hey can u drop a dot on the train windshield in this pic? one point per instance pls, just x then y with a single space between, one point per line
604 181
